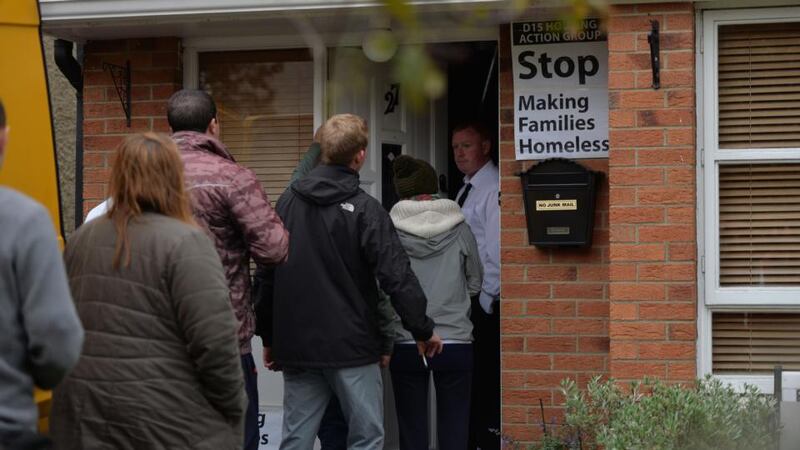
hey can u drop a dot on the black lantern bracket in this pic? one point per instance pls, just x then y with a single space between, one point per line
121 75
653 38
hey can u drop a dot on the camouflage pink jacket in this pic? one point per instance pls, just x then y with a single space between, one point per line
230 203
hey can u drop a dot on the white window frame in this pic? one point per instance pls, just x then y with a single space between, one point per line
192 47
712 297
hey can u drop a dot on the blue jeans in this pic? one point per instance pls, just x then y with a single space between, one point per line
452 376
251 432
307 393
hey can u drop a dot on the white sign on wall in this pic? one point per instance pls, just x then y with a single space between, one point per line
270 428
270 422
560 90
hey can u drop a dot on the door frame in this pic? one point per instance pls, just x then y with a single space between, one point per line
193 46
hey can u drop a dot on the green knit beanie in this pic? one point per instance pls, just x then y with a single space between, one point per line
413 177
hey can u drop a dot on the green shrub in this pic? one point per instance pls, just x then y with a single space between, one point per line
652 415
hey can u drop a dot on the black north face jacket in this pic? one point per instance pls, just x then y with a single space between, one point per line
319 308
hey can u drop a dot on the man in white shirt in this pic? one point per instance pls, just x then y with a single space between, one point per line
479 201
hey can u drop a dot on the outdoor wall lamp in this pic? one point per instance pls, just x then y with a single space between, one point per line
379 45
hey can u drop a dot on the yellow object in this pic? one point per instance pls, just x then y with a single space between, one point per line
29 164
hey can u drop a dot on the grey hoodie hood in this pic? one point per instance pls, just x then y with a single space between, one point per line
428 223
444 256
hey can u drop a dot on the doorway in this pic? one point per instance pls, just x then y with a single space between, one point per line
356 85
472 95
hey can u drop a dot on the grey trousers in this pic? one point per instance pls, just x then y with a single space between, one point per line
306 393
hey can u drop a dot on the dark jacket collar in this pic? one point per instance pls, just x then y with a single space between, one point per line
194 141
327 184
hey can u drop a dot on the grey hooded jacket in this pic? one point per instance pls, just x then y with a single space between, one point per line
444 256
40 335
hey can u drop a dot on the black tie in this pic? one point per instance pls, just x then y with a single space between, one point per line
463 197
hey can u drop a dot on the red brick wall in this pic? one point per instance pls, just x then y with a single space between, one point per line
653 194
156 72
554 317
626 307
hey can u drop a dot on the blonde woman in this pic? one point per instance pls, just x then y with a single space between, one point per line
160 365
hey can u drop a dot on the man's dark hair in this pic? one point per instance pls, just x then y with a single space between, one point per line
2 115
190 110
475 125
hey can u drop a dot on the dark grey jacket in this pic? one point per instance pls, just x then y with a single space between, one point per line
160 367
40 335
386 314
320 307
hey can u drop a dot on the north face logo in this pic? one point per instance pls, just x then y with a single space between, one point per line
347 207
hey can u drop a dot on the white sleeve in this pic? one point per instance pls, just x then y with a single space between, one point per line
98 210
491 248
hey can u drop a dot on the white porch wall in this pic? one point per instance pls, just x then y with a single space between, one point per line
66 10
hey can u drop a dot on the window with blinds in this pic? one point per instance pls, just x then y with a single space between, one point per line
754 343
265 109
759 224
759 86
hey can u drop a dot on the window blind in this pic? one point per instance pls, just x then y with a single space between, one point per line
759 86
759 224
747 343
265 108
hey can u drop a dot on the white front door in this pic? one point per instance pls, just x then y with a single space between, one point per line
359 86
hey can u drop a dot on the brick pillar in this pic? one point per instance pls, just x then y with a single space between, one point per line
653 195
156 72
554 316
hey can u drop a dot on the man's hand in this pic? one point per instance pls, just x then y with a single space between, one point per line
268 362
431 347
385 360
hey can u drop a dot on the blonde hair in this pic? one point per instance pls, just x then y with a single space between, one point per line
147 176
341 138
